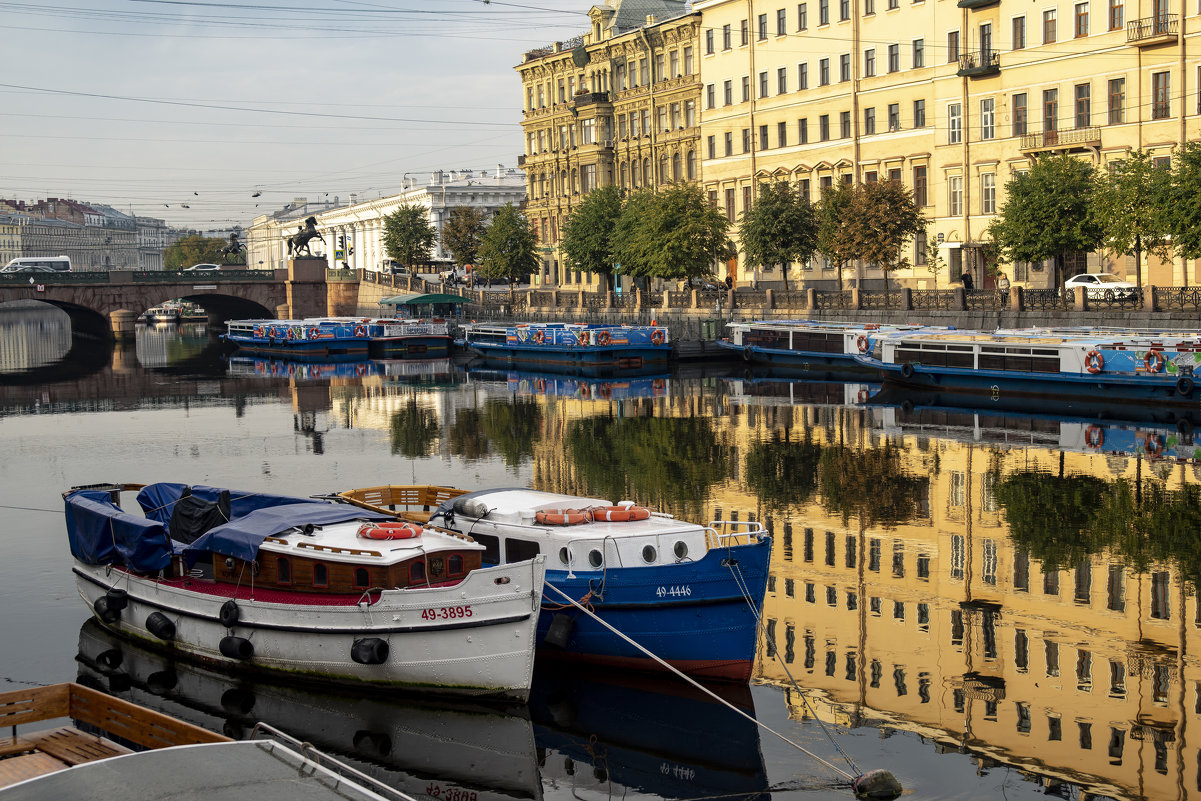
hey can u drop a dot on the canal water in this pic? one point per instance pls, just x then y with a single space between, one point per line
989 605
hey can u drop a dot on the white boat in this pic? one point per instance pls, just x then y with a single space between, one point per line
317 589
808 346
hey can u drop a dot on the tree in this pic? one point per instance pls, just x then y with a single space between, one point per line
1184 219
408 235
673 234
1132 206
507 251
831 242
191 250
778 229
588 232
463 232
1048 212
878 220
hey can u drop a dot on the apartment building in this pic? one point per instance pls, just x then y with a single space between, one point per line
949 97
616 105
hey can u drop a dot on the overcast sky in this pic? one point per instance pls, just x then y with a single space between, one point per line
148 105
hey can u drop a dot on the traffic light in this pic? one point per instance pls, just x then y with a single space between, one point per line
341 240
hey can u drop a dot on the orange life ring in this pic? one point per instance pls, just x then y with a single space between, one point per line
657 336
581 337
1153 361
1094 361
658 383
871 326
360 331
316 371
314 332
258 332
539 336
862 343
862 396
602 338
1153 445
584 393
360 369
563 517
620 514
540 384
291 333
1094 437
604 390
389 530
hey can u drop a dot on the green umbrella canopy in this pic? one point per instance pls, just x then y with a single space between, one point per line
418 299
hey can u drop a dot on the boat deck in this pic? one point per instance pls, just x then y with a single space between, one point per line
30 755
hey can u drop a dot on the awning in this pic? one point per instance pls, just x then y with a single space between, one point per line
418 299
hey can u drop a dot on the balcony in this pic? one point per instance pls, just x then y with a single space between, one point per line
977 3
589 98
1074 139
1150 31
979 64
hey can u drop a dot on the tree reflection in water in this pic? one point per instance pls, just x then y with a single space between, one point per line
781 472
467 438
414 430
870 485
513 426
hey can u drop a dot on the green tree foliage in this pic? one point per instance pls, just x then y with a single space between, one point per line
588 233
831 239
879 218
1185 216
1052 516
508 251
1132 208
1048 212
780 228
463 233
783 473
191 250
869 485
513 427
408 235
675 233
665 462
414 430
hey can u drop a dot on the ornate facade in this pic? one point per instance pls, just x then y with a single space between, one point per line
617 105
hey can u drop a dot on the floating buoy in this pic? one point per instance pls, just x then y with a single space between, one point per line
876 784
236 648
369 651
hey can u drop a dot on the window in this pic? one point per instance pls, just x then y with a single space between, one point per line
709 42
763 84
1019 33
1049 26
1160 586
781 80
869 121
362 578
710 98
730 217
762 138
1081 20
823 12
687 60
802 131
728 92
1084 104
745 33
802 16
802 76
1050 109
955 195
283 570
919 260
762 27
919 113
1117 100
823 127
956 567
844 10
417 573
1117 15
454 565
919 188
725 37
844 120
869 62
894 116
919 53
711 142
952 47
674 64
985 42
781 134
988 193
320 575
844 67
746 140
894 58
1161 105
954 123
823 72
988 118
781 22
1019 114
729 143
869 7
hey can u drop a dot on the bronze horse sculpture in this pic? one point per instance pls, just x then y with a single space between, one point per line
232 250
303 235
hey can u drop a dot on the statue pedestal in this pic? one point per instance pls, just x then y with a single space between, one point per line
307 295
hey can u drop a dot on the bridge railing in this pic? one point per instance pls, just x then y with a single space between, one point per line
199 276
9 279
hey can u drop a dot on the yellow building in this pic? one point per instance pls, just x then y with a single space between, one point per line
616 105
948 97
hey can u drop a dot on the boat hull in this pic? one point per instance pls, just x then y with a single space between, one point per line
616 356
474 638
801 363
695 616
416 347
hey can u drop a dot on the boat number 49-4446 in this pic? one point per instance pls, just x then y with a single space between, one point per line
674 591
446 613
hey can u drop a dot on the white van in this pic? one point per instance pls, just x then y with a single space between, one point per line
38 264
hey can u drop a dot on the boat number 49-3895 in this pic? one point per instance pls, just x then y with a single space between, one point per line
446 613
450 793
681 591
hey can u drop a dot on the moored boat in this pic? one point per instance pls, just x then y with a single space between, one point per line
569 345
688 593
807 346
162 314
341 337
313 588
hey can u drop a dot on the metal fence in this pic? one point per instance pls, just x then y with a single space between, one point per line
1111 299
983 300
1177 298
834 300
1046 299
932 299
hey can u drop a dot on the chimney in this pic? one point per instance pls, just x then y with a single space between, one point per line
436 177
353 199
500 170
651 19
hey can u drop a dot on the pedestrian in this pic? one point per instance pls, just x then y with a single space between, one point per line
1003 288
729 282
966 278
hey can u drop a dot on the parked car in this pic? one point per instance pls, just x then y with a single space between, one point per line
38 264
202 267
1105 286
455 275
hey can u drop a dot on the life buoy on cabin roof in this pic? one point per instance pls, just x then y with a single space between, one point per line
390 530
620 514
562 517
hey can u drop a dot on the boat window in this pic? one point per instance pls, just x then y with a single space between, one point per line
934 354
817 341
519 550
768 338
454 565
361 578
283 571
649 554
1031 360
681 549
491 548
595 558
565 556
320 575
417 573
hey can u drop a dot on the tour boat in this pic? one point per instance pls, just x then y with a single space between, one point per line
162 314
807 346
1113 366
569 344
688 593
314 588
341 337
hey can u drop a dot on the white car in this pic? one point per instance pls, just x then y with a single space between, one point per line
1102 285
202 267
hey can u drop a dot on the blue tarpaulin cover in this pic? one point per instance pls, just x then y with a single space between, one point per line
158 500
101 533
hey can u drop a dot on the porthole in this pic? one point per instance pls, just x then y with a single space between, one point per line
681 549
595 558
565 556
649 554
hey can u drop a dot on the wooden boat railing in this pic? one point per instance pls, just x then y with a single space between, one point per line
400 500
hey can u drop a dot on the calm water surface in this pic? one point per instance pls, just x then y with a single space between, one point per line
988 606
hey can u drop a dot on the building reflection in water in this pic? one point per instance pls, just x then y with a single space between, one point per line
32 335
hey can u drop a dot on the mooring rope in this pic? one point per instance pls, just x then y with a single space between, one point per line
702 687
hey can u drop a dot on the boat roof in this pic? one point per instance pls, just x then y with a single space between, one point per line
842 325
518 506
340 542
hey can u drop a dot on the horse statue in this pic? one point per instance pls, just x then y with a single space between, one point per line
301 238
230 252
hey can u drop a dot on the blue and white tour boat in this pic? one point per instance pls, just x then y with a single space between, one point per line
342 337
570 344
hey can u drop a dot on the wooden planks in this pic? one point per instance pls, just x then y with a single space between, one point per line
72 747
19 768
33 704
135 723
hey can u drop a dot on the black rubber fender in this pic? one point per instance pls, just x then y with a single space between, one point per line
369 651
230 613
236 648
160 626
106 613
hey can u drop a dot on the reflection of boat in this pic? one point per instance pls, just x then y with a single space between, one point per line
570 345
274 583
324 337
307 369
663 738
409 744
765 388
807 347
686 592
616 388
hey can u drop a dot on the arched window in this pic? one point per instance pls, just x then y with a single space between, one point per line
575 179
362 579
625 175
691 165
417 573
454 565
664 169
320 575
676 175
283 571
635 176
647 175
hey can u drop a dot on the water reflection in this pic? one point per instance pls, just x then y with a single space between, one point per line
32 335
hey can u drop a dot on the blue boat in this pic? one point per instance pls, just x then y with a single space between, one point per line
807 347
690 594
623 387
570 345
325 338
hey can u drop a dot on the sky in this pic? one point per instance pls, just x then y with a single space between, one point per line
185 110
